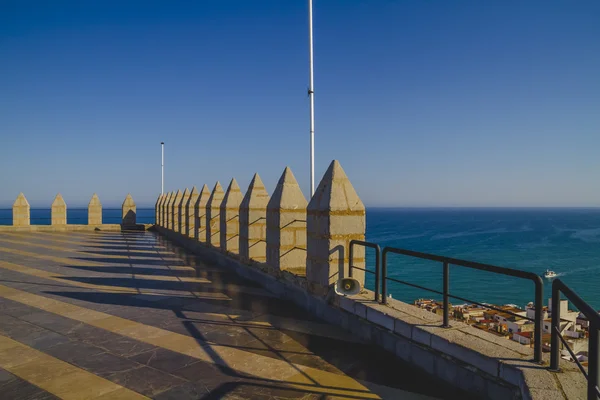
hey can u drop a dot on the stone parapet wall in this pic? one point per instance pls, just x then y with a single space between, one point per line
298 249
473 360
284 231
59 220
74 228
213 216
95 211
253 222
229 215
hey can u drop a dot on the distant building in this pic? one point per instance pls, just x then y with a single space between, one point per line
569 327
531 311
469 312
523 337
434 306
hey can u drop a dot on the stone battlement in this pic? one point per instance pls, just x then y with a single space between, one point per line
297 249
58 220
279 233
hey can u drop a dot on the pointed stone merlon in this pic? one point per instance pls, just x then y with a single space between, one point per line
183 219
190 212
230 218
336 215
21 211
58 211
286 226
95 211
200 214
253 222
157 209
161 210
166 213
213 220
175 211
129 211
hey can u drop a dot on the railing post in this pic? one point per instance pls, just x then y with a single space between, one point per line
593 362
555 342
537 335
377 274
384 276
446 289
351 258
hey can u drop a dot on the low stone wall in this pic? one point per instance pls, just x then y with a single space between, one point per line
58 216
464 356
74 228
284 230
471 359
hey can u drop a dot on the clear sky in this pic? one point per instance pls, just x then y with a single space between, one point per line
425 103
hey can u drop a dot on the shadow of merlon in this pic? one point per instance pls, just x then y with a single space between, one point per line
129 221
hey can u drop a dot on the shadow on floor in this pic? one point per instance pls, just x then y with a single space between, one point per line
357 360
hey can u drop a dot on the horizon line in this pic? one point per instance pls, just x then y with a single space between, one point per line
144 207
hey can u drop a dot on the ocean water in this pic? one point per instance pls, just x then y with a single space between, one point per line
566 241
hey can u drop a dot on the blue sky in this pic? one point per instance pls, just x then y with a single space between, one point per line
437 103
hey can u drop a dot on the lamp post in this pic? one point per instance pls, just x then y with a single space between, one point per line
311 95
162 168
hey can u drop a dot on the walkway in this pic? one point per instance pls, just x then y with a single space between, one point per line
130 316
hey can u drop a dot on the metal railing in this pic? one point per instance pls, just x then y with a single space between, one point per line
445 293
593 374
377 271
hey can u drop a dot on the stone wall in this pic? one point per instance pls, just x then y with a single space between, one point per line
298 249
58 211
230 218
274 231
95 211
58 216
253 222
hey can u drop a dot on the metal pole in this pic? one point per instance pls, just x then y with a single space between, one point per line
311 95
350 259
593 362
162 168
555 341
537 335
384 299
446 289
377 274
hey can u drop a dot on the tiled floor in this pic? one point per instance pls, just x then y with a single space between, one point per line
129 315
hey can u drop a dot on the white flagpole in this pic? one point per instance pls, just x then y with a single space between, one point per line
162 168
311 94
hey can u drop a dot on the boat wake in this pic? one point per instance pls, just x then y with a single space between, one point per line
577 270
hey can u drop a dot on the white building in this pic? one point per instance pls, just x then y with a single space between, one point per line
531 311
523 337
565 313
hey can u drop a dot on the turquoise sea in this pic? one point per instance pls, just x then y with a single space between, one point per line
564 240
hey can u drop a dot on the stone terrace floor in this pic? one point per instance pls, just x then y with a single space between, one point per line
129 315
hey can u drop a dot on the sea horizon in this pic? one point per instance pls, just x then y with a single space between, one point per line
563 239
526 239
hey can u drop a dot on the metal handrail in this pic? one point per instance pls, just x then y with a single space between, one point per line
593 374
377 262
446 262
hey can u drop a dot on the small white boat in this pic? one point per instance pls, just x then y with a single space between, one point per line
549 274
